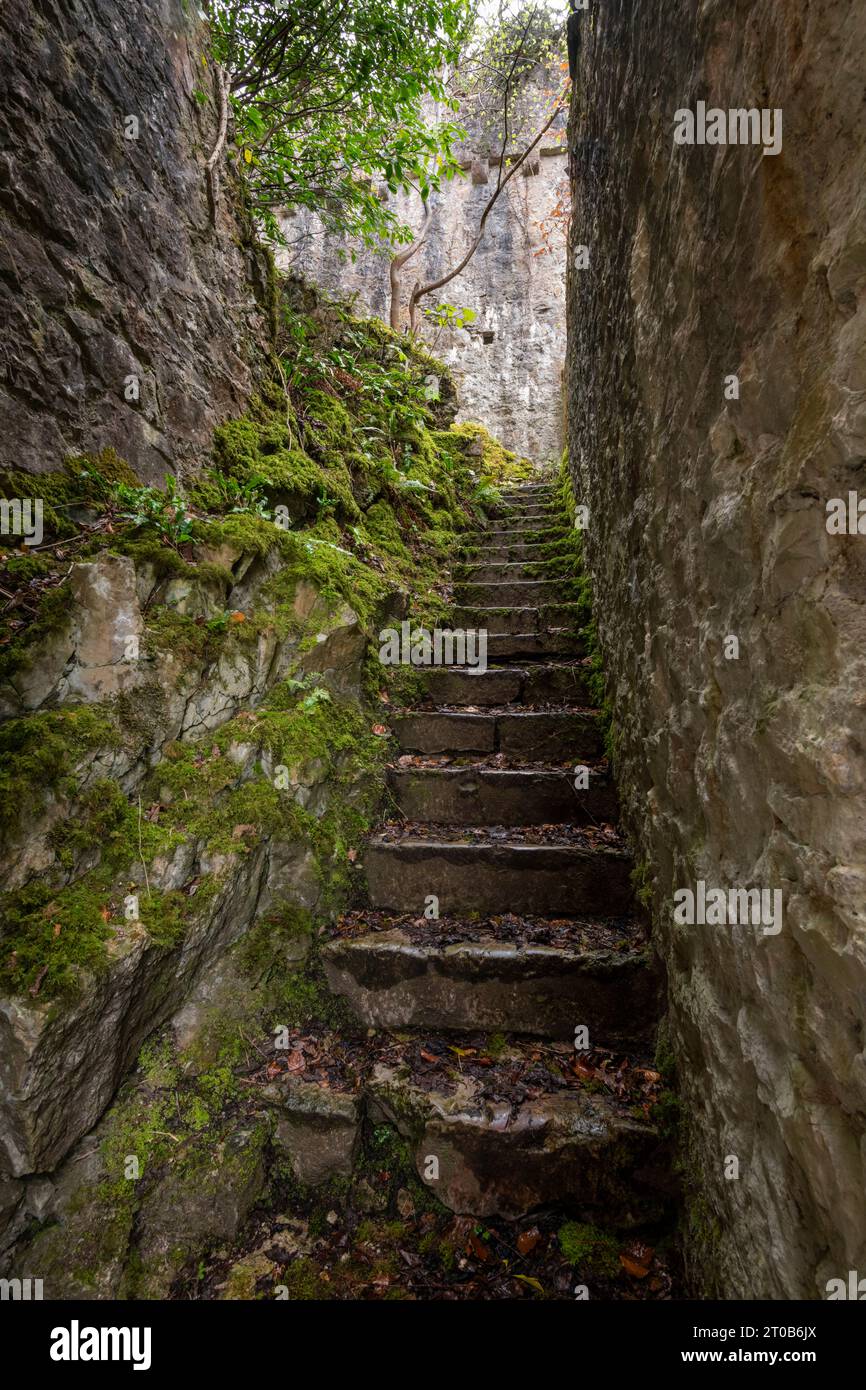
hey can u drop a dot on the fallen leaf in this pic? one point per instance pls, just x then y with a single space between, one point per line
429 1056
475 1246
380 730
58 928
636 1259
527 1240
533 1283
240 831
296 1061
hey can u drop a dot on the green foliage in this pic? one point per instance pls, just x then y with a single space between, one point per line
594 1251
327 102
449 316
162 513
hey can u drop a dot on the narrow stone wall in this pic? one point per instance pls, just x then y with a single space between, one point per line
110 266
707 522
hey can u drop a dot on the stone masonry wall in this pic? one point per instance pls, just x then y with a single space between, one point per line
109 263
708 520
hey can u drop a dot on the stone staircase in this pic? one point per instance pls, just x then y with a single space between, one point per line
536 933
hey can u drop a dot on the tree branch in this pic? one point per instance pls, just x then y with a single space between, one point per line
501 183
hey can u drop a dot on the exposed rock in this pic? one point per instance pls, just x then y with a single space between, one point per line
203 1204
508 365
112 268
318 1129
60 1066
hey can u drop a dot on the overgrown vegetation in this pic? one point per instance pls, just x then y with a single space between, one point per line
327 101
346 476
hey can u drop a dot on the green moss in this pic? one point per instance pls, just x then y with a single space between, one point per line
666 1114
41 753
303 1280
592 1250
642 881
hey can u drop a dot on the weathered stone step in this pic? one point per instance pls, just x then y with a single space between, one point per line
521 593
537 513
544 684
494 1158
501 876
496 535
556 734
394 981
541 489
534 645
505 571
481 552
496 621
500 796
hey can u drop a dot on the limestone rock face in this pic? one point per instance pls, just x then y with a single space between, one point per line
708 520
111 266
508 364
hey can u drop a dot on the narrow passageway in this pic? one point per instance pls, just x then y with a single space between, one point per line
502 971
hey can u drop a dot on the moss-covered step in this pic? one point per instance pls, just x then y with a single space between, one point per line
465 685
392 980
500 796
506 571
551 683
557 733
519 593
497 876
540 514
541 646
479 551
519 532
483 1156
497 622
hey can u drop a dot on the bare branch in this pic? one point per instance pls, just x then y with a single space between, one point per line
501 183
212 166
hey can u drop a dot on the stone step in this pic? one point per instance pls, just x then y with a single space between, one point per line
495 1157
534 645
501 876
521 593
541 489
535 735
497 535
505 571
496 553
497 621
500 796
537 513
545 684
401 978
